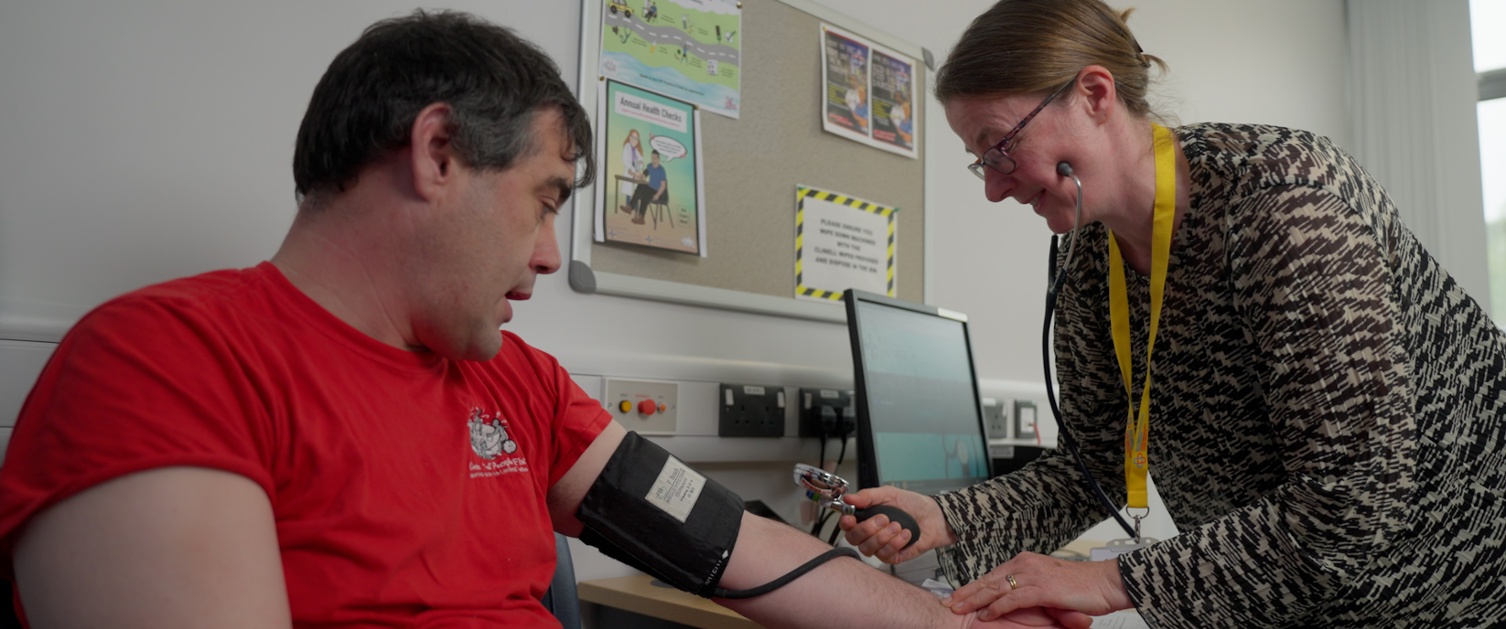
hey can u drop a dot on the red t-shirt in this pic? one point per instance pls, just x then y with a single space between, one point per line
407 488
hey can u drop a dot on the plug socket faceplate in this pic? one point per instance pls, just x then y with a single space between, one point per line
750 410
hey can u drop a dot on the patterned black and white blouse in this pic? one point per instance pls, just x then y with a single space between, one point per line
1328 419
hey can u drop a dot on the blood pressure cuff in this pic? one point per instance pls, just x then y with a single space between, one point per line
653 512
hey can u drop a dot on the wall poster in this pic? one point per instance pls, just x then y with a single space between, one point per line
686 49
649 149
867 92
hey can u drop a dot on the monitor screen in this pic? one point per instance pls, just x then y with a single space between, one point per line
920 425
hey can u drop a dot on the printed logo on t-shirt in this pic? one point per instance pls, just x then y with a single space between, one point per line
490 441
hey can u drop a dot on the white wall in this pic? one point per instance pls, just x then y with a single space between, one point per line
153 139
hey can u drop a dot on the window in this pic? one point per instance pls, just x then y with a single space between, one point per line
1487 22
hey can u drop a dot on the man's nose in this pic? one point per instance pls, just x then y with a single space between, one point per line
546 252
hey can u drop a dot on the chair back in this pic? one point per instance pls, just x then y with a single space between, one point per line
561 599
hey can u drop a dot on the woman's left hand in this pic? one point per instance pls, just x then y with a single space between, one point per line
1031 580
1033 618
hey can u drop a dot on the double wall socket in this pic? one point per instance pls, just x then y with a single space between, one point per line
827 413
750 410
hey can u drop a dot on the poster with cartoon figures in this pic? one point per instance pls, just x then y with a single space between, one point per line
650 190
844 73
686 49
868 92
893 81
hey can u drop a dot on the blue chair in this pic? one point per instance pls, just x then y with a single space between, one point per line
660 210
561 599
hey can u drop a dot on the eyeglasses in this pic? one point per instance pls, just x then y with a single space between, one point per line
996 157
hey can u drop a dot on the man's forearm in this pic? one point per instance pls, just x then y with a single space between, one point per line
840 592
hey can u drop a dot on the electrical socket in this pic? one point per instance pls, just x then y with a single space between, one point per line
750 410
826 412
998 418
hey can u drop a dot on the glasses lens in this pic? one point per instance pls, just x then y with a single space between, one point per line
999 160
995 159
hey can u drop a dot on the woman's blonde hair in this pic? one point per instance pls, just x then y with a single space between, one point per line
1025 46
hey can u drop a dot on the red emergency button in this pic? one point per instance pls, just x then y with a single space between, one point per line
647 407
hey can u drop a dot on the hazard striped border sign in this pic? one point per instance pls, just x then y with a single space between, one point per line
842 242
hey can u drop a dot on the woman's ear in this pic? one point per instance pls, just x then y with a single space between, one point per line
1095 90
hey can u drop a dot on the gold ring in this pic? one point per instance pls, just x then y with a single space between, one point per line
1012 585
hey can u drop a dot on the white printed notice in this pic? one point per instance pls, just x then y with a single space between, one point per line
842 242
676 489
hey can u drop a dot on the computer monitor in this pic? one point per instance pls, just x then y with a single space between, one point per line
920 421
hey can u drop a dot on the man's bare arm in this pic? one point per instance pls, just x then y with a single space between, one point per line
841 592
168 548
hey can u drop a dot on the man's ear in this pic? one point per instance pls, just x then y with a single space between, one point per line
432 151
1095 90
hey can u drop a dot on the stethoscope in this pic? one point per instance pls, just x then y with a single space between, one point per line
1055 279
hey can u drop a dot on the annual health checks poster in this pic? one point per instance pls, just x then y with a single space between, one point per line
650 155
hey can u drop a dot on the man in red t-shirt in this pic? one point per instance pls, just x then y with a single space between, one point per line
341 436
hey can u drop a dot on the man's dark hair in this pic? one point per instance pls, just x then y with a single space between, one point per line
655 153
494 81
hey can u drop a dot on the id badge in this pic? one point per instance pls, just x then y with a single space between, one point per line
1118 547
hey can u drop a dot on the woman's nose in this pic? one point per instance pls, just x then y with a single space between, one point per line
996 185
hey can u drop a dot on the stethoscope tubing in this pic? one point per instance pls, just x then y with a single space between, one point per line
1056 278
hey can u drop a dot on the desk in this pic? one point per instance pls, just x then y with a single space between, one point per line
617 196
639 595
661 212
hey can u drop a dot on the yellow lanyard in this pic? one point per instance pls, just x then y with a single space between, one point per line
1137 430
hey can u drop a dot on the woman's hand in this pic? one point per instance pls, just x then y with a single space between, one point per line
1033 618
1031 581
878 537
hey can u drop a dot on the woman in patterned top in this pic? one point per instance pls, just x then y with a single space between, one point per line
1328 405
